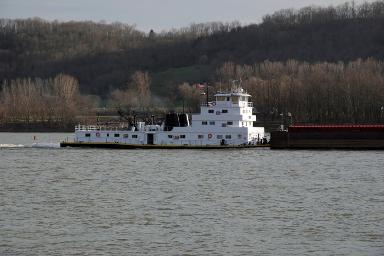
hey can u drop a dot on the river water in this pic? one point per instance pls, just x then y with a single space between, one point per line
68 201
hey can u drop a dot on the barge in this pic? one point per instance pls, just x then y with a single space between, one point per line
329 137
226 122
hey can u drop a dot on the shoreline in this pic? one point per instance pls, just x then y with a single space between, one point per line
40 127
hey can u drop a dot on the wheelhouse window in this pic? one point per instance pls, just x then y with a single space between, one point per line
87 135
117 135
229 123
134 136
204 122
170 136
235 99
224 111
211 111
219 137
125 135
200 136
228 136
212 123
182 136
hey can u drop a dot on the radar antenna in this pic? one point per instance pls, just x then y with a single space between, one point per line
236 85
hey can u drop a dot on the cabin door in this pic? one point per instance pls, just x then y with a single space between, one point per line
150 138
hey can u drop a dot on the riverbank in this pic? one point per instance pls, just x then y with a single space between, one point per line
36 127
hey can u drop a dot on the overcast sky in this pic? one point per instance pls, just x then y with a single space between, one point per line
153 14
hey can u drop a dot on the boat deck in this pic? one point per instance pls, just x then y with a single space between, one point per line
145 146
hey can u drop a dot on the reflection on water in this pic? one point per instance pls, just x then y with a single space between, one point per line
163 202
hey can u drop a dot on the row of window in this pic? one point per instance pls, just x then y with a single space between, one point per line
135 136
247 123
206 122
234 98
211 111
201 136
225 124
176 136
213 123
116 135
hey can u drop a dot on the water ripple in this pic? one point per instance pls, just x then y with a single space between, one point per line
235 202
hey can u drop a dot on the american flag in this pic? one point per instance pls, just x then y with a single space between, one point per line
200 86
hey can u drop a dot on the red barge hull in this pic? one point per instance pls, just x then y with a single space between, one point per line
329 137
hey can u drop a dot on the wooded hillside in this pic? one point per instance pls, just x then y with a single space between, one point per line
327 42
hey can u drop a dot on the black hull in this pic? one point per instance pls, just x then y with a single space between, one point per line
354 138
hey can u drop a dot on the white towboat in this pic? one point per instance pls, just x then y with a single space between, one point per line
226 122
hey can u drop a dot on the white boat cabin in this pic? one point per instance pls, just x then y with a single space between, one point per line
228 120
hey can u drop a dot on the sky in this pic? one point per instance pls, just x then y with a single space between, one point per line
158 15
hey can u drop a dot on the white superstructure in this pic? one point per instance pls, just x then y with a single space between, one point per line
228 120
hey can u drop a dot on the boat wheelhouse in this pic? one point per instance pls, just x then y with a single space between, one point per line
228 121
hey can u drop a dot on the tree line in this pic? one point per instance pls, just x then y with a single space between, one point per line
322 64
312 93
314 14
50 101
104 56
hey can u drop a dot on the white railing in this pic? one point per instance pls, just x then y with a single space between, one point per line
86 127
209 104
97 128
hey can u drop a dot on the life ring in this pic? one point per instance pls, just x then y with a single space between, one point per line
97 134
210 136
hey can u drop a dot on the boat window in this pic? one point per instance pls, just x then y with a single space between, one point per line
218 112
219 137
224 125
87 135
204 122
170 136
212 123
229 123
107 134
117 135
224 111
125 135
200 136
182 136
239 136
134 136
228 136
228 98
211 111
